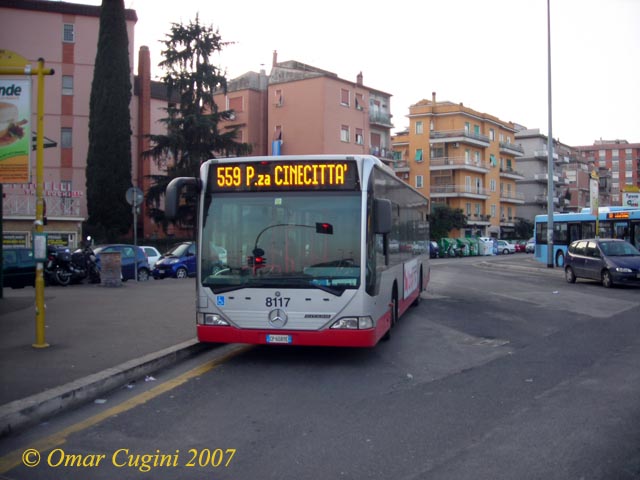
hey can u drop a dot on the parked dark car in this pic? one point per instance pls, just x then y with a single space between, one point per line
608 260
128 256
179 262
18 267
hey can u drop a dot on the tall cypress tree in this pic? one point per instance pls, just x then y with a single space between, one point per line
109 158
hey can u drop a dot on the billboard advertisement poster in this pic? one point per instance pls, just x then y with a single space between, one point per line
631 199
15 130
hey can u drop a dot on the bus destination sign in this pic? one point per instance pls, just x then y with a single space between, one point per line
278 175
617 215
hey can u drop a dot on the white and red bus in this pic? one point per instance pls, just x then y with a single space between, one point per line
305 250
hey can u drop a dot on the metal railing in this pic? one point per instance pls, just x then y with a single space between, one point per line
458 161
25 206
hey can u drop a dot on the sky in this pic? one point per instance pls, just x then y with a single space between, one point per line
490 55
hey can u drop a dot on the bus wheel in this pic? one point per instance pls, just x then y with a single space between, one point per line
416 302
394 315
560 259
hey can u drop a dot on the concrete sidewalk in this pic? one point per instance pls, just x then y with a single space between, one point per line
100 338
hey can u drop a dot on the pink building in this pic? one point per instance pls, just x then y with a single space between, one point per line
65 35
300 109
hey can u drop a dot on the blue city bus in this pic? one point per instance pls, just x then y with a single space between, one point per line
613 222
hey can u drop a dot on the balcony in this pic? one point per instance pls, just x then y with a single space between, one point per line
459 136
24 207
542 199
511 149
508 172
400 166
380 118
452 191
543 177
382 152
478 219
458 163
512 197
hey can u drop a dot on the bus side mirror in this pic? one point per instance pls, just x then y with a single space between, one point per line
172 195
382 215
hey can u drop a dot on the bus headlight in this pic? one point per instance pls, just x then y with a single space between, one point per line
353 323
211 319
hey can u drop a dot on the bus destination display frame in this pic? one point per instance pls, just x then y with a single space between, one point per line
288 175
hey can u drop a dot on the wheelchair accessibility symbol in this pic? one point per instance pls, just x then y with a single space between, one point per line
220 301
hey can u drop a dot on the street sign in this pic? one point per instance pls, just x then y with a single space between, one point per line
134 196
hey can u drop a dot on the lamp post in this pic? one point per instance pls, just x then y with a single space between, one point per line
549 149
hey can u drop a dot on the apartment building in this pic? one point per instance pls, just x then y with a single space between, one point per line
465 159
300 109
65 35
533 165
622 159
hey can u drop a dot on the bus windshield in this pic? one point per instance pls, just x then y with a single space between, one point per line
281 240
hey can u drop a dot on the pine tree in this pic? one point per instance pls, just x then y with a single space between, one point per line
192 123
108 173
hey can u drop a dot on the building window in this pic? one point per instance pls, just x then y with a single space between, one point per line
467 183
492 160
67 85
344 97
419 181
419 128
66 138
235 104
432 126
467 209
359 136
67 203
344 133
467 156
467 127
493 210
492 185
476 157
359 101
68 33
419 155
478 209
492 134
279 99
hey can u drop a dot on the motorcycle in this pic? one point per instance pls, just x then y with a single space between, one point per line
64 267
56 270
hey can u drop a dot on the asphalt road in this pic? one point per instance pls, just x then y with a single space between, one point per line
501 373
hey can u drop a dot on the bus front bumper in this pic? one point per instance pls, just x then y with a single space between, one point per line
327 338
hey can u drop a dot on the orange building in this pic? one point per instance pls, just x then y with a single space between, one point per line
464 159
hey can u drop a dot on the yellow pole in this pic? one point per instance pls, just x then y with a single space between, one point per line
39 223
14 64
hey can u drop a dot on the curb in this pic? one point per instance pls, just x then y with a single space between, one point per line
27 411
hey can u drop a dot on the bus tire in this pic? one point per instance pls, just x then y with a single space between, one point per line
416 302
394 313
560 259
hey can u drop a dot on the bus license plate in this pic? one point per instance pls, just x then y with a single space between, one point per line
278 338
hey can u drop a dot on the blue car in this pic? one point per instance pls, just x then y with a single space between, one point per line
127 255
179 262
